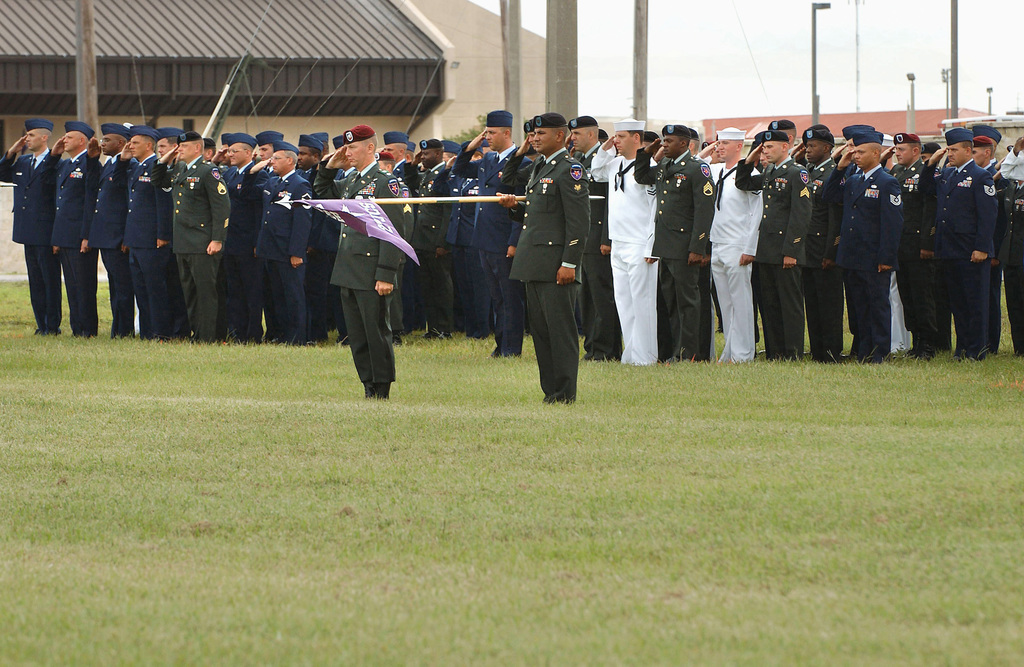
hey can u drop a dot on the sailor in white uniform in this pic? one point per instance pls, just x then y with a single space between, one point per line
631 210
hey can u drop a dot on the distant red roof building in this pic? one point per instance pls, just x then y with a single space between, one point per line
927 121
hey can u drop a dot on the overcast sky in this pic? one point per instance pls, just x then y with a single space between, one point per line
700 67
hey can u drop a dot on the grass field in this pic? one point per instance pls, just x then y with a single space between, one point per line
178 504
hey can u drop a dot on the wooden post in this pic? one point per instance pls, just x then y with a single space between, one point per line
562 58
640 61
511 31
85 66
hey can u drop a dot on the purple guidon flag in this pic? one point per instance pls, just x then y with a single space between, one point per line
366 217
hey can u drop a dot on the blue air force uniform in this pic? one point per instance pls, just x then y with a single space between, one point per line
68 231
283 235
467 269
34 208
104 228
869 237
964 222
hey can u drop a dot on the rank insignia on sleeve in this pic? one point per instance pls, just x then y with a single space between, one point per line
576 171
221 190
578 187
805 192
804 177
706 170
990 190
395 187
897 200
708 189
407 209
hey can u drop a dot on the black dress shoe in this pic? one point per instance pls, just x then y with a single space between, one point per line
396 339
369 390
382 390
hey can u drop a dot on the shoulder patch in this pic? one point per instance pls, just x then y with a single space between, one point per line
706 170
576 171
395 187
215 172
804 176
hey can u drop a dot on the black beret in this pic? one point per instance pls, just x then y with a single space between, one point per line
651 136
191 135
602 135
427 144
930 147
209 143
783 124
773 135
678 131
528 127
821 133
549 119
582 121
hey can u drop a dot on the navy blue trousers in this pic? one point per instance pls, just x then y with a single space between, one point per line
149 267
968 285
318 279
868 296
122 296
508 298
289 296
473 292
44 287
80 284
244 286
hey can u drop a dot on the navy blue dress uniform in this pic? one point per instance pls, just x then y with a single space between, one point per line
428 240
467 269
34 179
243 275
320 258
79 267
916 276
823 287
682 226
494 233
555 221
104 228
964 223
786 193
987 136
602 335
363 261
285 234
1011 258
869 238
202 211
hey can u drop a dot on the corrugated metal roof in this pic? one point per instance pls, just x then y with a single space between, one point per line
328 29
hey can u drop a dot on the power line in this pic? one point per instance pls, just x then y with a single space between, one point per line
751 52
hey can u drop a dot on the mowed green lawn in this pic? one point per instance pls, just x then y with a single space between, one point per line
170 503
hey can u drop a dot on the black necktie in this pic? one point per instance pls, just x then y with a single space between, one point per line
620 178
718 187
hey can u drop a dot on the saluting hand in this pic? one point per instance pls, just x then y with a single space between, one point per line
887 153
337 160
58 148
126 153
220 157
708 150
798 151
934 159
653 148
478 141
754 155
16 148
170 155
1018 146
259 166
846 159
838 150
93 150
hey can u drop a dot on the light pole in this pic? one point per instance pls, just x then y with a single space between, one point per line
815 6
945 80
911 119
989 91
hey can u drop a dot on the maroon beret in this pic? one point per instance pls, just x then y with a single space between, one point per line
359 133
906 138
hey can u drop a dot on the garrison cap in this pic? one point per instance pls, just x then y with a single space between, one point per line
309 141
38 124
285 146
79 126
410 146
959 135
783 125
169 133
191 135
359 133
396 137
677 131
549 119
499 118
988 132
268 137
225 138
773 135
867 137
820 133
323 137
116 128
338 141
581 122
451 146
145 131
484 143
851 130
905 138
243 138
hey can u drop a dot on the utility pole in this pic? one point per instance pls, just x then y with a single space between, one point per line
856 9
815 6
954 76
989 91
640 60
945 80
85 66
511 31
562 75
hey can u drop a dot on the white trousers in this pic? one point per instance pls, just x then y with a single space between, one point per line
636 298
901 339
732 282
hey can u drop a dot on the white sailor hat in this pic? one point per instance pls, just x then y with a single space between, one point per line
732 134
630 125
